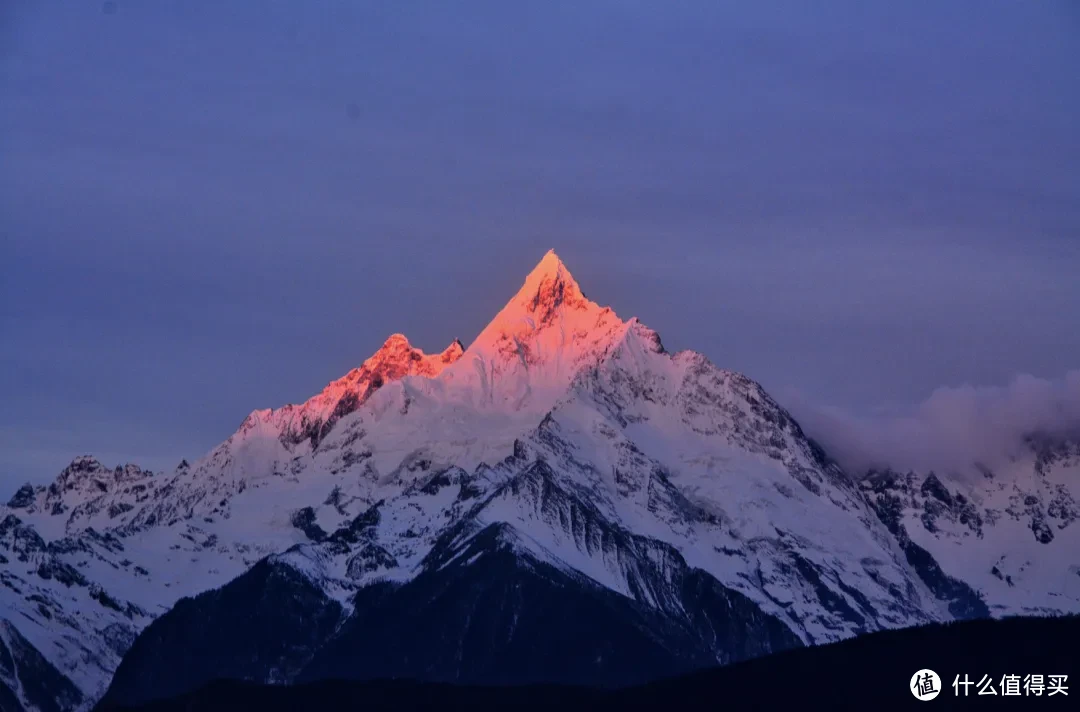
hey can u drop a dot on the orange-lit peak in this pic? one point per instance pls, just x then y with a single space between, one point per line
549 267
397 347
550 260
396 340
548 287
452 352
526 356
401 357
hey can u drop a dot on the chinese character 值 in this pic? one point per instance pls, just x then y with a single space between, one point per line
924 685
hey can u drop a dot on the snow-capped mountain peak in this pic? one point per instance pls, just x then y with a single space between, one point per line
583 449
397 356
528 354
549 287
312 420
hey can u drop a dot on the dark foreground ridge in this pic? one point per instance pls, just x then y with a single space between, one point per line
482 613
869 672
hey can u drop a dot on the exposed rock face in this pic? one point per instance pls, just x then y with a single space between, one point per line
1009 536
23 498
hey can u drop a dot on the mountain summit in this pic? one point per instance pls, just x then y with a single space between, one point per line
562 501
527 355
549 287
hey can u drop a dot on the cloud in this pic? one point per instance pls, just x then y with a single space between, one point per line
952 430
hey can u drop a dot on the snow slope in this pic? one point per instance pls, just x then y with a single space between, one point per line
1011 534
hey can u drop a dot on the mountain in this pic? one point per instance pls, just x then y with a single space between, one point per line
868 672
313 420
494 515
1009 533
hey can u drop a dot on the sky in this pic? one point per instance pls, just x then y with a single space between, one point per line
212 206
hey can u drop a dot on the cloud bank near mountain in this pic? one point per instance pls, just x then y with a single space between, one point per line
953 430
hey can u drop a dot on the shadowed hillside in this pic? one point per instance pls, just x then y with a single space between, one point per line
872 671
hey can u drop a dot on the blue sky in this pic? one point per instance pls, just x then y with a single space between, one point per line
210 207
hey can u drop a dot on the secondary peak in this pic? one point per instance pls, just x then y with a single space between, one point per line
396 340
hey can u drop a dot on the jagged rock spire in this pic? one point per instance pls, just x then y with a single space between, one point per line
547 288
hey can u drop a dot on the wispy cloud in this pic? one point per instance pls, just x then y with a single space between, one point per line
952 430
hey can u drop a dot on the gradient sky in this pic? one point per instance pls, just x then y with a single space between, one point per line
211 206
